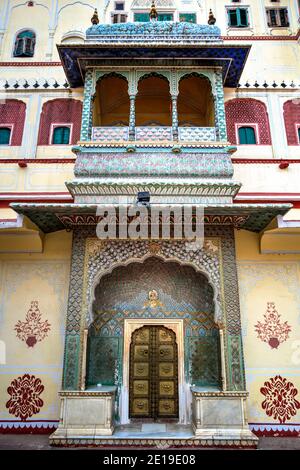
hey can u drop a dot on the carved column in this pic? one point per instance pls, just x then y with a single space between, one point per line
220 121
174 117
87 109
132 117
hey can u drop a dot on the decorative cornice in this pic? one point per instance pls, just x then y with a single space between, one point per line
30 64
253 217
74 220
87 393
220 394
250 38
277 161
37 160
161 144
188 188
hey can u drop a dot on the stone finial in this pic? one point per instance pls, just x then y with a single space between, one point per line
211 18
95 17
153 12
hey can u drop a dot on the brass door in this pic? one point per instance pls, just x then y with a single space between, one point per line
153 379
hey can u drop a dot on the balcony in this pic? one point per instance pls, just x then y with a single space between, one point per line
153 134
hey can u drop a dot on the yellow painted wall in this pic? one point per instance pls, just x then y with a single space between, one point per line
263 279
43 278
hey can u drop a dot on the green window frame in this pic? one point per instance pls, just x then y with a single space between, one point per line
238 17
141 17
188 17
5 133
165 17
61 135
247 135
144 17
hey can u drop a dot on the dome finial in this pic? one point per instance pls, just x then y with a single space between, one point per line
153 12
95 17
211 18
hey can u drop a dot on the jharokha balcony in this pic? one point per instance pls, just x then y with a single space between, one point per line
153 114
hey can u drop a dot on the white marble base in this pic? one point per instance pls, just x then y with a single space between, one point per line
87 414
220 415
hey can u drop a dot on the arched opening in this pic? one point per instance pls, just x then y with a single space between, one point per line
153 105
195 102
60 122
247 112
111 105
153 291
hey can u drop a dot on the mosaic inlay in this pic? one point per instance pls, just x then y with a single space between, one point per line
93 258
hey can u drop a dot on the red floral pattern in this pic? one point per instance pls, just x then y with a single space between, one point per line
33 329
25 398
280 401
272 331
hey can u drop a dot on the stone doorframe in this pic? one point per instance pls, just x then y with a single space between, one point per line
184 393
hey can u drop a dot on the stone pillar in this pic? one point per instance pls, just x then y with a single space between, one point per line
132 117
220 121
174 117
86 122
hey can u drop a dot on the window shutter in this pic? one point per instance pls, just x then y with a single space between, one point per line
243 17
61 135
284 21
246 136
5 135
232 18
19 47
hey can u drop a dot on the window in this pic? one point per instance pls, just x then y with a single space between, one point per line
298 134
61 135
238 17
277 17
246 136
165 17
119 18
5 133
188 17
119 6
24 44
144 17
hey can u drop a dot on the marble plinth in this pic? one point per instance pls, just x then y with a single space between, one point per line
220 415
85 414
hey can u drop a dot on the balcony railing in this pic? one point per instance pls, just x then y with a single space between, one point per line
153 134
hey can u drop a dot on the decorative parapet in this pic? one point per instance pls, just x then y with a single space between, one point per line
197 134
110 134
150 133
153 133
153 32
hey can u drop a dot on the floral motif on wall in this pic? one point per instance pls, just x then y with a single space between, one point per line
280 401
25 398
32 329
272 331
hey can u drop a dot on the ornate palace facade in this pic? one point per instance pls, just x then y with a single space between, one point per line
126 113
